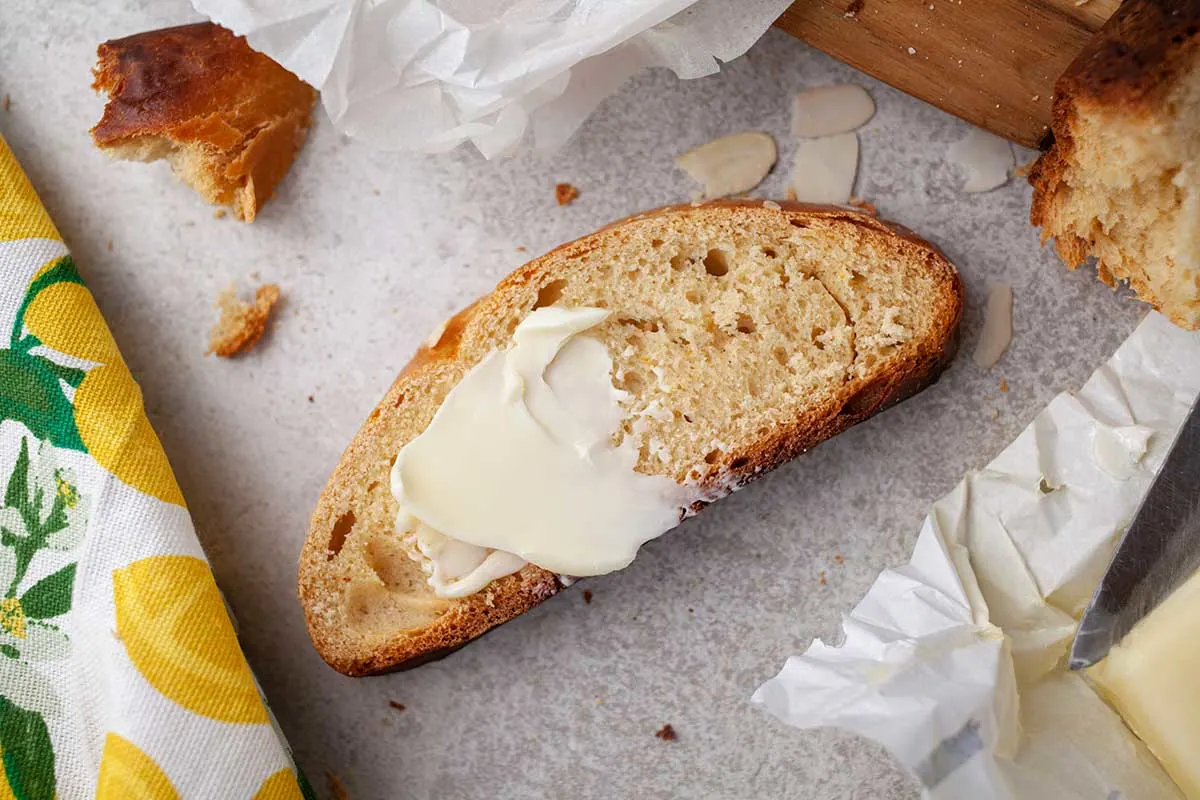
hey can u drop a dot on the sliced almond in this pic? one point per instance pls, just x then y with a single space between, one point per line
985 157
731 164
997 326
828 110
825 169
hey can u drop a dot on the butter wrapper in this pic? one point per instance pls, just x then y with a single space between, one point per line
955 662
427 75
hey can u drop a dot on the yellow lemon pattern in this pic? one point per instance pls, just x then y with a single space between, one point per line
281 785
126 773
108 414
173 623
73 420
21 213
109 421
65 318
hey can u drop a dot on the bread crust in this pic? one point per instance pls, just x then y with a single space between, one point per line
200 87
1132 63
510 596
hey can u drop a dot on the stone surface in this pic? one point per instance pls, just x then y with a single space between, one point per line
372 250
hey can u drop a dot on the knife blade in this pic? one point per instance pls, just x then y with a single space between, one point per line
1159 551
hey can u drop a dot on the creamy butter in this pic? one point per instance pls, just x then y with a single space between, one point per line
518 465
1151 679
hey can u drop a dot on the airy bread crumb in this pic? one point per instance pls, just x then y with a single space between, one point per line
241 324
227 118
1121 182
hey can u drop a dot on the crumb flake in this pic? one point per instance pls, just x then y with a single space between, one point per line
587 596
336 787
396 705
241 324
565 194
667 733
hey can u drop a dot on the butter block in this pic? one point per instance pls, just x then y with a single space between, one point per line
1152 678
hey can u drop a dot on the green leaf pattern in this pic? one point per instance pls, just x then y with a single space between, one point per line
42 511
31 385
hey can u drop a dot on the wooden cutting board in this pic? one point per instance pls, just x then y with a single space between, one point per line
990 62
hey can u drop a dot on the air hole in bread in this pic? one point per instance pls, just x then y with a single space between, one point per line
390 562
745 324
753 387
337 537
656 242
739 462
712 457
679 261
781 355
857 279
372 486
816 335
716 263
550 294
798 224
769 252
692 296
399 400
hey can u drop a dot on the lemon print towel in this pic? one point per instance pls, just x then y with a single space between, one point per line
120 673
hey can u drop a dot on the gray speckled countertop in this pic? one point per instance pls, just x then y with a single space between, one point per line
372 250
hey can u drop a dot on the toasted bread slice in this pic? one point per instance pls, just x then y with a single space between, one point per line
775 328
1121 182
227 118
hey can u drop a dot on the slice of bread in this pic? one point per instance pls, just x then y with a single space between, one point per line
762 329
227 118
1122 180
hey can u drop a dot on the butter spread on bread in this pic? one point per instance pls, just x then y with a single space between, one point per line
517 448
741 334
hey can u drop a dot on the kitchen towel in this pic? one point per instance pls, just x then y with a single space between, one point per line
120 672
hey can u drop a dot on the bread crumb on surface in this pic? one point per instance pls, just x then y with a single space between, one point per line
336 787
821 577
839 559
1003 385
310 398
241 324
667 733
396 705
587 596
219 213
565 193
7 102
522 248
108 244
865 205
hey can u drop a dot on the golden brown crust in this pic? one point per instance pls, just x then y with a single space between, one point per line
1143 48
241 324
1129 70
203 88
508 597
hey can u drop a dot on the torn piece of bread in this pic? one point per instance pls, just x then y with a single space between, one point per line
1122 179
241 324
227 118
759 328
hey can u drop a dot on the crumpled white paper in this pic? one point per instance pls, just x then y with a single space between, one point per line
426 75
954 662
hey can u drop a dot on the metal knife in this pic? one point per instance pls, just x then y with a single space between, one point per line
1159 551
